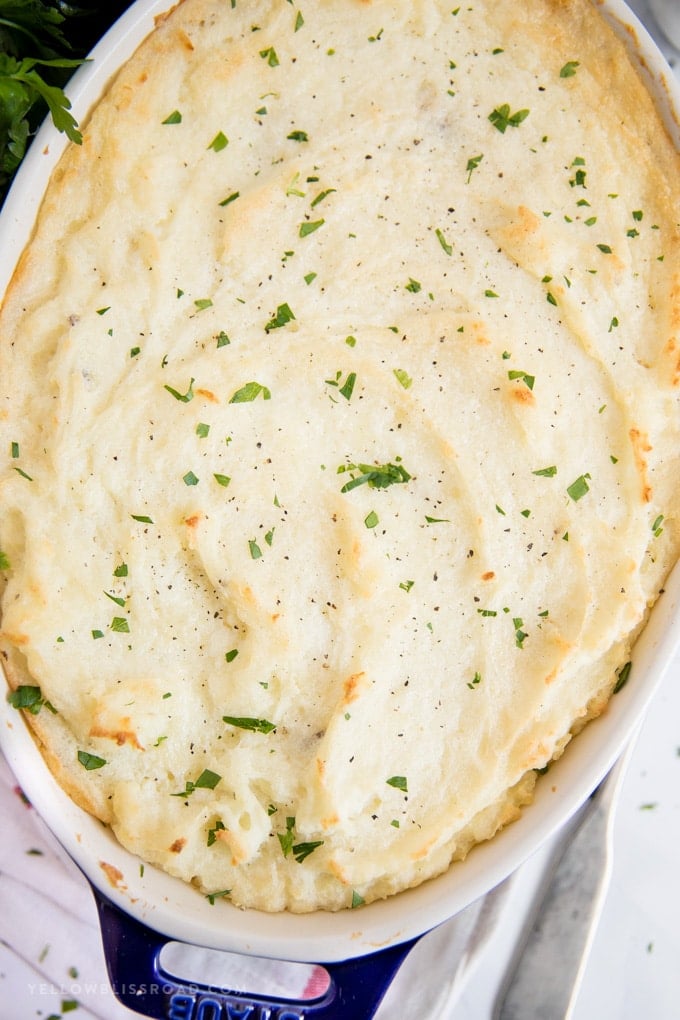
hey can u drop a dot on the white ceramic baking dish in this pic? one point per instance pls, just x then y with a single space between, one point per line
142 908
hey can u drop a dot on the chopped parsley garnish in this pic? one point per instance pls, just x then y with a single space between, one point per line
322 194
527 379
244 722
372 520
357 900
548 472
501 118
520 635
91 761
347 387
142 518
398 782
250 392
230 198
622 676
231 654
657 528
403 378
475 682
308 227
378 476
29 697
203 303
472 165
119 625
116 598
300 851
579 487
4 561
270 56
255 551
173 118
446 247
207 780
284 315
212 896
298 136
202 430
413 285
219 142
190 478
568 70
212 832
222 480
183 398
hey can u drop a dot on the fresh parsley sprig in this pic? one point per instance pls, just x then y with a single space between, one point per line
41 42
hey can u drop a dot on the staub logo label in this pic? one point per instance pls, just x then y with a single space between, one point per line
211 1007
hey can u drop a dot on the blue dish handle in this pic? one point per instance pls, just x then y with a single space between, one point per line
132 954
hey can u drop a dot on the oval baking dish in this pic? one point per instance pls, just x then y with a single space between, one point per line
142 909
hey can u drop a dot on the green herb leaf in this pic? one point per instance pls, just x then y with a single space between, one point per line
251 391
91 761
403 378
219 142
211 897
28 697
399 783
322 194
378 476
472 165
283 316
372 520
212 832
243 722
501 118
308 227
302 850
207 780
622 677
579 487
568 70
270 56
184 398
443 242
173 118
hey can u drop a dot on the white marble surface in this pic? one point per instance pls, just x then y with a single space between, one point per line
52 965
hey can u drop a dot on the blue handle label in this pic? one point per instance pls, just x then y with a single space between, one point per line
211 1007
